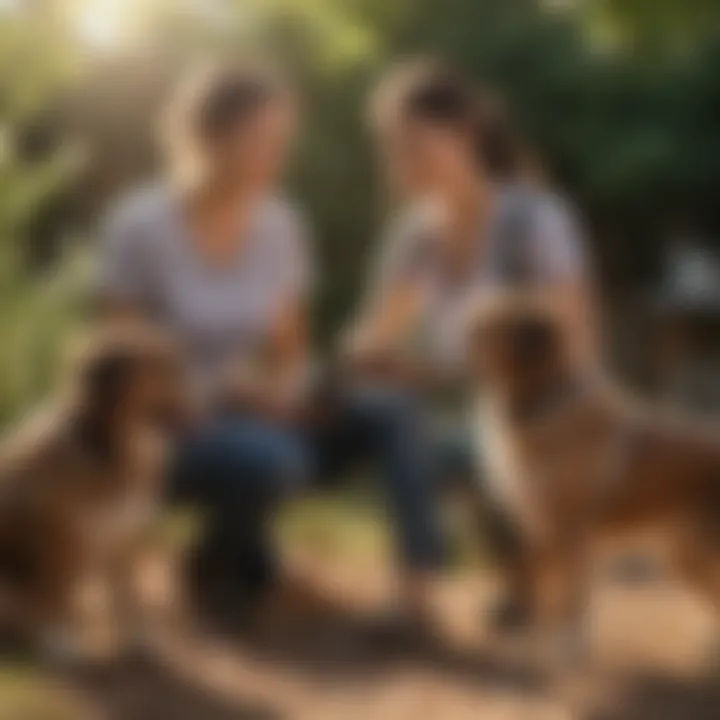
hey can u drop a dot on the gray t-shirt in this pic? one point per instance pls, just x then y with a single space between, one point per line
540 227
148 258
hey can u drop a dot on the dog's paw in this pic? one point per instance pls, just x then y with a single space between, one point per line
509 615
568 649
62 647
138 643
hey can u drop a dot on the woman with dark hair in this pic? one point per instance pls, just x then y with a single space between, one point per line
216 255
474 217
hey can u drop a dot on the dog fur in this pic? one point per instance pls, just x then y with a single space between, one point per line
79 482
574 461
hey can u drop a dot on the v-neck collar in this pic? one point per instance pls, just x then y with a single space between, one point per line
243 237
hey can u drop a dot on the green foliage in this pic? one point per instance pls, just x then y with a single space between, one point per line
655 26
39 315
28 693
620 99
37 311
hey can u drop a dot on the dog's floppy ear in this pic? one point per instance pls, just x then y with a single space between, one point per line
104 378
527 321
102 370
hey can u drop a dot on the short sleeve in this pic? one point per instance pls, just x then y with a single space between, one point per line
121 265
557 249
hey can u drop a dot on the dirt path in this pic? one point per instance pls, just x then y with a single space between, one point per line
648 643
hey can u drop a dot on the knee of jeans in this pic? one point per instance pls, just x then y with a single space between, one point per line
287 466
275 465
389 410
249 461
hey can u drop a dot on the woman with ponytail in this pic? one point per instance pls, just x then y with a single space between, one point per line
453 161
214 252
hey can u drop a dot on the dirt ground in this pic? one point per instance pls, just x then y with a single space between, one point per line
649 662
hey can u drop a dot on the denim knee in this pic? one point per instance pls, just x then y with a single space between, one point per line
387 410
266 453
239 459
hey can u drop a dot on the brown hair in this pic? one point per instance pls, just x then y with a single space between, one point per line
214 100
430 91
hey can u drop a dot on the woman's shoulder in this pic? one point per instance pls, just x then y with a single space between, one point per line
407 244
416 219
281 212
284 231
139 208
413 229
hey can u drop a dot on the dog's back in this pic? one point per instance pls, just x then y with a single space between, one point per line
667 469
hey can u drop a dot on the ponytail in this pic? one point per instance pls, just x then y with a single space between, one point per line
433 93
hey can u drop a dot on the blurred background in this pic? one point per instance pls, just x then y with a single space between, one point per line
619 100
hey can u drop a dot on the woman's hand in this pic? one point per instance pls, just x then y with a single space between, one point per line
373 348
390 367
274 385
249 388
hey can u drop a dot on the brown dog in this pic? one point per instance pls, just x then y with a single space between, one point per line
573 461
80 480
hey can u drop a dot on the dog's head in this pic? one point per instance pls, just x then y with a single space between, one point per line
129 376
517 342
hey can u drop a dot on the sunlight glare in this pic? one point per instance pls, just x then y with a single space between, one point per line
102 23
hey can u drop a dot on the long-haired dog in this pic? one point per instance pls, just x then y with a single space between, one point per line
573 461
80 480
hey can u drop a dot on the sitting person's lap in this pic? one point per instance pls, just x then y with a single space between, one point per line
236 458
239 467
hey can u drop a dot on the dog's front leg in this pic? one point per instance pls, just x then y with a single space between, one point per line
696 555
125 595
559 593
506 542
46 605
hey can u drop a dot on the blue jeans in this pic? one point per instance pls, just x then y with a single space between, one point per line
390 430
237 469
240 467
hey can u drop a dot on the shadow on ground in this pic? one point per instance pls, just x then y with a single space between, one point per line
143 690
663 698
342 646
337 649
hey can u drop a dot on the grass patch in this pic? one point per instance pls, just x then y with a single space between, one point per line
26 694
353 523
348 524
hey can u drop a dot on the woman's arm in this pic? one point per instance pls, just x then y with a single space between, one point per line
274 385
289 359
376 342
375 349
379 330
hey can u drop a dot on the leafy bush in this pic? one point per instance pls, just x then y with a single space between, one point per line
38 316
